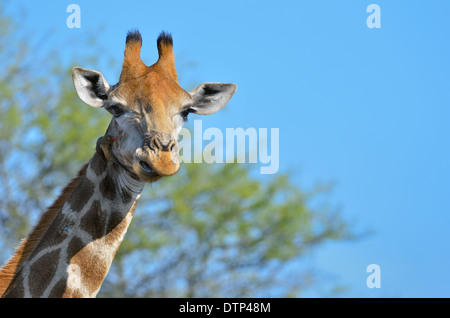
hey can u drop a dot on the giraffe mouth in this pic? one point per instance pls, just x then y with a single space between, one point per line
145 172
150 166
146 167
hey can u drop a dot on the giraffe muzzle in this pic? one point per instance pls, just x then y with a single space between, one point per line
157 160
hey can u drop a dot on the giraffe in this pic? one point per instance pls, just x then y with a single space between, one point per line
70 250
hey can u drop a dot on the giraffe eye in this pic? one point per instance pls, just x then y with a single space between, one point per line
185 114
116 111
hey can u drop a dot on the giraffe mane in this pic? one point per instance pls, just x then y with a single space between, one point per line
28 244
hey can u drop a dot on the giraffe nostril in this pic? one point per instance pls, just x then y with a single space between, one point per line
172 145
168 147
156 144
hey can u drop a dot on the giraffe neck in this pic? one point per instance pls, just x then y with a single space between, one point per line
75 252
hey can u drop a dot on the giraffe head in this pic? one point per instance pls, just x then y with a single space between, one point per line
148 107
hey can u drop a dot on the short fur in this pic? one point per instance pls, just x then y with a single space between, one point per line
164 39
142 149
27 246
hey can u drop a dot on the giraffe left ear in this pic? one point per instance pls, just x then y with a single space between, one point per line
209 98
91 86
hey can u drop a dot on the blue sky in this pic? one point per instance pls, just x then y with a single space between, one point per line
365 108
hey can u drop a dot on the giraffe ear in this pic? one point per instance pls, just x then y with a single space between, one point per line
91 86
209 98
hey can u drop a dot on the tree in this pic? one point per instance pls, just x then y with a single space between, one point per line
41 143
211 230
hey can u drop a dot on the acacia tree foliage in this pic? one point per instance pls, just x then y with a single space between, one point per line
217 231
210 230
46 133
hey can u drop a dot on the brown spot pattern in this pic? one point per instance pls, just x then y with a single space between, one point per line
94 267
114 220
126 196
42 272
81 194
98 164
108 188
94 221
59 288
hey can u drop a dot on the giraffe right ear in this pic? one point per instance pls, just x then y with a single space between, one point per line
91 86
